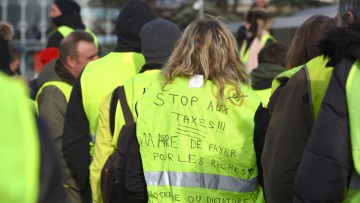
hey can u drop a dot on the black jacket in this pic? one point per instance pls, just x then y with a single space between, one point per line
76 127
326 165
285 140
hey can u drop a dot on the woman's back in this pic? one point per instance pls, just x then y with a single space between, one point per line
193 148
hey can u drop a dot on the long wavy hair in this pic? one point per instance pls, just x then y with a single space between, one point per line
208 48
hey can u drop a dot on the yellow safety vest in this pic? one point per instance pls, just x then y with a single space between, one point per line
244 53
194 150
318 78
286 74
64 87
134 89
65 31
264 95
102 76
352 98
19 146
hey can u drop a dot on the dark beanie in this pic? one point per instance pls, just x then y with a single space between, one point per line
6 34
67 6
158 38
129 23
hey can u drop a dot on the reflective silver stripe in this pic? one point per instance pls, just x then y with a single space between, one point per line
355 181
202 180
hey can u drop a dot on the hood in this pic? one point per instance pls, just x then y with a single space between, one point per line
72 20
129 23
339 43
263 75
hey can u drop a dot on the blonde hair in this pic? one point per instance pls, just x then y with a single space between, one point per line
208 48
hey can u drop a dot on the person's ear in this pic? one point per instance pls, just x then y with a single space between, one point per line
70 62
350 17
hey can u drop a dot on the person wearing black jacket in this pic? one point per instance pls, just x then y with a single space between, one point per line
64 13
98 79
327 172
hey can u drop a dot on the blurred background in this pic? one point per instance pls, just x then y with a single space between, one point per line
32 24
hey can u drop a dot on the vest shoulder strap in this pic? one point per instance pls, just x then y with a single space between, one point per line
65 30
119 95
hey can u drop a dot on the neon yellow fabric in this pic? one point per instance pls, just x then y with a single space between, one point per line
352 196
65 31
105 142
102 76
244 54
353 191
319 76
62 86
286 74
352 96
19 146
264 95
183 131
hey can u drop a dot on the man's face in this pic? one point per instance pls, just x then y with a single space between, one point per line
55 11
87 51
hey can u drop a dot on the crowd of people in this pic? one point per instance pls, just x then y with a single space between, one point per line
199 115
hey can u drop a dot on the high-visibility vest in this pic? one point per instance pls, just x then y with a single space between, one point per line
66 30
318 77
193 149
19 146
102 76
244 53
284 75
264 95
64 87
134 89
352 98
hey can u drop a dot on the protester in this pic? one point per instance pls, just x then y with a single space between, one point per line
329 168
271 63
65 15
76 50
257 36
97 80
294 109
200 103
158 38
29 171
